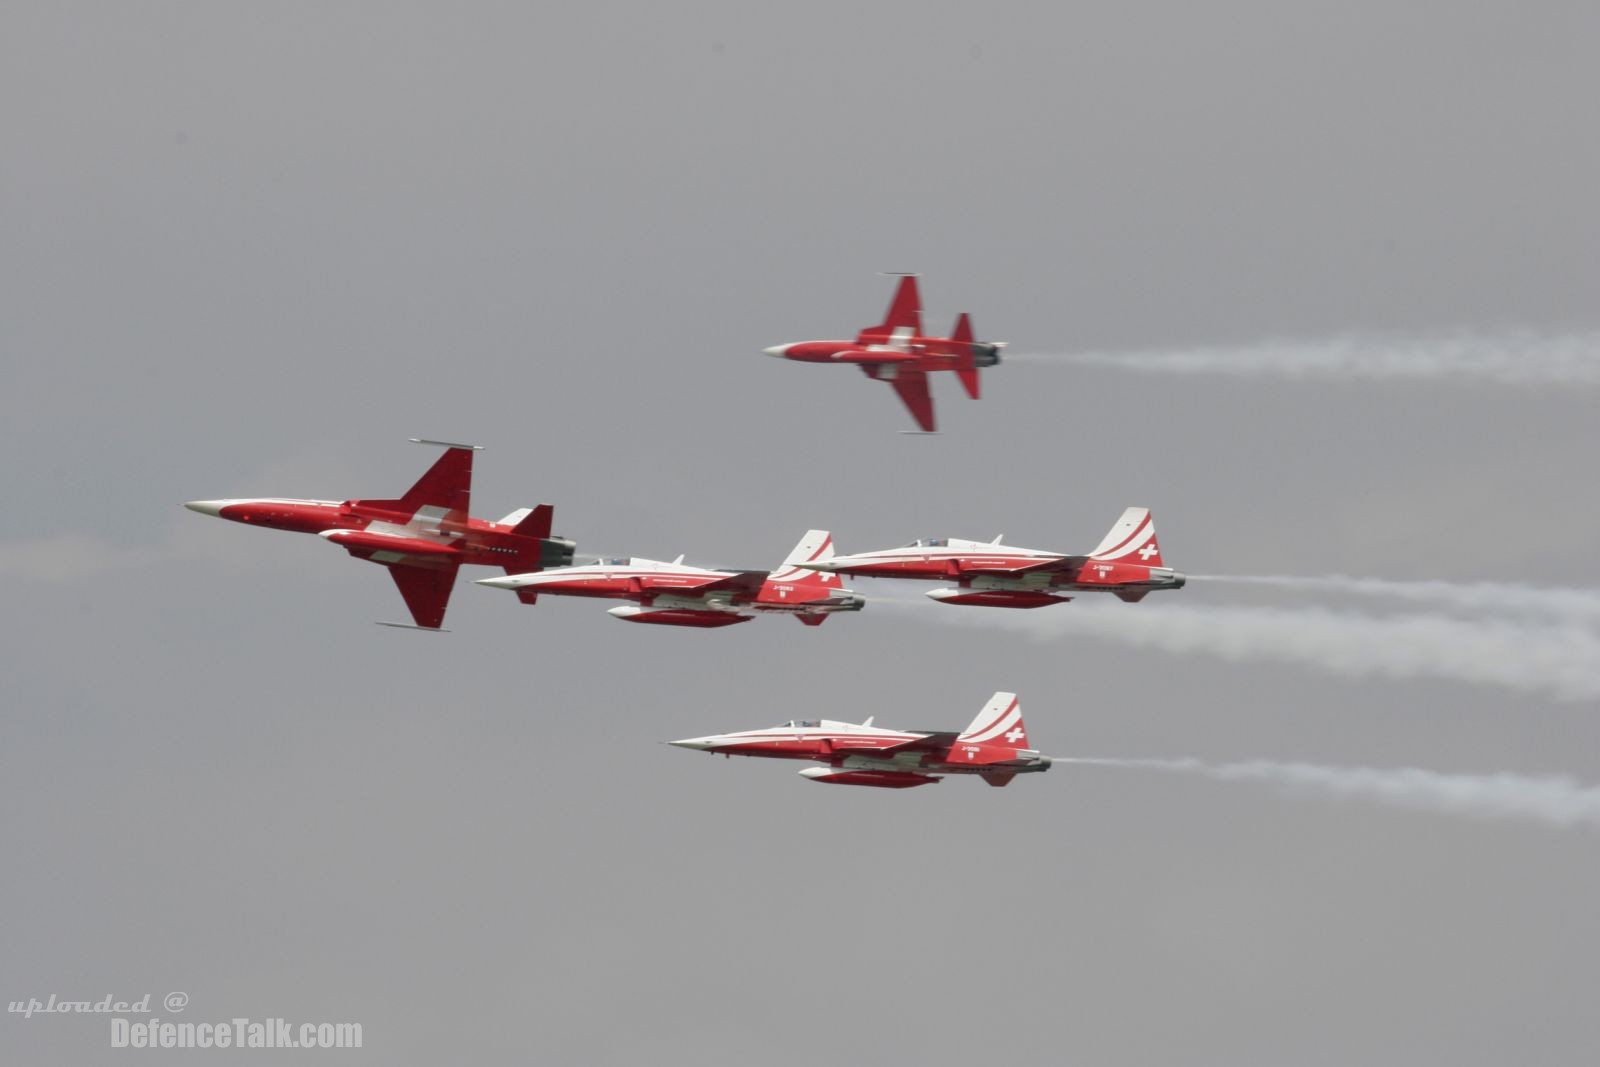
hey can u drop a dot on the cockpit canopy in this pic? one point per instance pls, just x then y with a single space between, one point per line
929 542
800 724
615 561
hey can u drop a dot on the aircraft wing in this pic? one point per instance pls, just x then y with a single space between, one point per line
742 584
911 385
1067 565
905 310
426 590
938 741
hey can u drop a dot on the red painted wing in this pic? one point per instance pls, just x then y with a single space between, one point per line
426 591
905 310
912 387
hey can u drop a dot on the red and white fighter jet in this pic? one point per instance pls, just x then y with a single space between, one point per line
897 352
422 537
671 594
994 747
1127 563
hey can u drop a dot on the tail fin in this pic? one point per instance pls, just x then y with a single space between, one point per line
443 495
535 548
1133 538
533 522
905 312
815 545
967 368
1000 722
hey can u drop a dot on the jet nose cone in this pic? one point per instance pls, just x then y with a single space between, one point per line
694 742
778 351
207 507
510 581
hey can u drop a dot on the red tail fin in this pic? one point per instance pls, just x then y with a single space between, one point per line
967 369
536 549
536 523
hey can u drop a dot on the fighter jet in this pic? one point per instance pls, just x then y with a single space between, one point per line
1127 564
994 747
897 352
671 594
422 537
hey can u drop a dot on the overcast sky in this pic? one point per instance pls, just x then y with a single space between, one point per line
250 249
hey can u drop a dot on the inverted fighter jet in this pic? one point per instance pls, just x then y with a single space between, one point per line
422 537
897 352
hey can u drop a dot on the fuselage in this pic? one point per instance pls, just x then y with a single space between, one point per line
928 353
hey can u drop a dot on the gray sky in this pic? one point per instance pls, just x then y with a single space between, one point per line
250 249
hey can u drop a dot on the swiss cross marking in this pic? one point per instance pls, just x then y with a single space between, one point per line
1014 735
1148 550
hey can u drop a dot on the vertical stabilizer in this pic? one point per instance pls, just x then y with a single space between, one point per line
967 367
999 723
1132 540
814 546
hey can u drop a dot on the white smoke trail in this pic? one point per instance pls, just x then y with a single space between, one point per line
1555 801
1489 598
1556 660
1510 358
